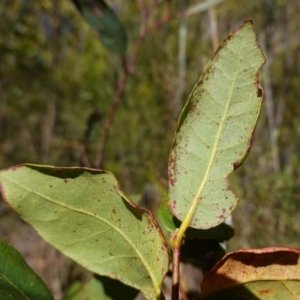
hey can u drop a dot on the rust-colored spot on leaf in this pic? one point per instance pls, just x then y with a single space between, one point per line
172 171
244 55
193 107
14 168
264 292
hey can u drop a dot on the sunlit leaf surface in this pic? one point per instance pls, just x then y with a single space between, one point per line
220 233
214 132
83 213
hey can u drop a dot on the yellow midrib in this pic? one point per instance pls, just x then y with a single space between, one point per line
191 212
144 262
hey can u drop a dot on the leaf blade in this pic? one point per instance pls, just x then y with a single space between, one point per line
104 20
18 281
83 213
221 233
214 132
100 287
267 273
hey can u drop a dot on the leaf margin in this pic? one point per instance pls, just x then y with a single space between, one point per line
187 220
121 194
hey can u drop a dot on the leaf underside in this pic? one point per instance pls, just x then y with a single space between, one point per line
268 273
83 213
214 132
221 233
100 287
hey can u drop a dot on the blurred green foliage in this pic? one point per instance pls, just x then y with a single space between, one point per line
55 75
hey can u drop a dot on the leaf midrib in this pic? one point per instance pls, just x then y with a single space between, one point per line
196 199
12 284
147 267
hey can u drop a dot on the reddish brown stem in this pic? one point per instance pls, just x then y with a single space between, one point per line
175 273
128 68
127 71
84 159
182 293
117 100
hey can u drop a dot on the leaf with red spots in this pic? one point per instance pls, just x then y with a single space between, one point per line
214 132
84 214
222 232
268 273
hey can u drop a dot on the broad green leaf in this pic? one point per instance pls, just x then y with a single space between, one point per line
220 233
17 279
100 287
103 19
214 132
268 273
83 213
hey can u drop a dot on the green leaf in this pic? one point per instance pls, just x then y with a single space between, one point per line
268 273
83 213
103 19
17 279
214 132
100 287
220 233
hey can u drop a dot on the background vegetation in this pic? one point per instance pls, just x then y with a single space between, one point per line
58 84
